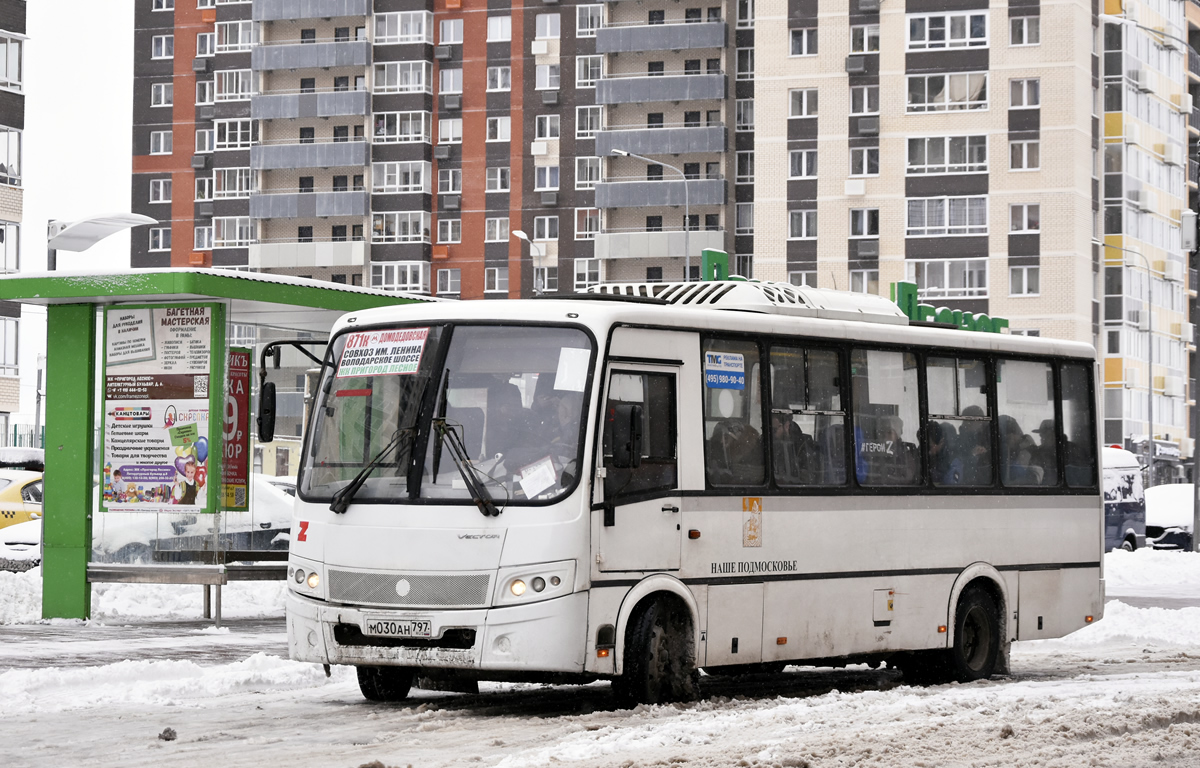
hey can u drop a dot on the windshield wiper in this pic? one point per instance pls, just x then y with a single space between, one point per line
458 452
342 499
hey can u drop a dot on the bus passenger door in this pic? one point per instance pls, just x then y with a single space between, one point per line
640 526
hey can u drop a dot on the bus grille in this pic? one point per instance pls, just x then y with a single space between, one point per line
461 590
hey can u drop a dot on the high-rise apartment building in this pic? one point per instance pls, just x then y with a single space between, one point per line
12 128
1014 158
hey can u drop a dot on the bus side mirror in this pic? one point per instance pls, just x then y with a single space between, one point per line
266 412
627 435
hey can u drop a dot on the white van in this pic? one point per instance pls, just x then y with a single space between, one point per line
1124 501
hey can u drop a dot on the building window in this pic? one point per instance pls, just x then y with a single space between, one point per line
160 238
745 14
450 81
233 231
545 228
235 85
864 38
163 5
802 102
947 154
587 223
953 30
204 188
450 130
235 36
588 19
160 190
1024 155
400 227
864 281
745 63
1024 281
804 42
806 278
162 95
545 279
545 178
495 230
864 161
449 230
802 225
205 92
404 77
499 30
449 181
160 142
744 115
745 167
202 239
938 216
949 278
547 126
406 27
499 78
10 156
864 100
234 134
947 93
1024 218
498 179
495 280
402 127
206 44
744 219
864 222
1024 93
233 183
802 164
588 120
588 70
587 273
450 32
1024 30
450 280
161 47
587 172
409 276
401 177
547 26
499 128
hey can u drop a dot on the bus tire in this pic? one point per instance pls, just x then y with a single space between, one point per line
660 657
385 683
976 646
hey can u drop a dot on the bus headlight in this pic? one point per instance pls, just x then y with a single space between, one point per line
517 588
313 580
531 583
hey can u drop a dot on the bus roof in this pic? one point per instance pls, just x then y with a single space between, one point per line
600 314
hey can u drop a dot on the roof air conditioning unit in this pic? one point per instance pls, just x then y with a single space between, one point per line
1132 379
1137 317
451 202
1174 386
1189 333
1140 79
441 152
868 126
856 65
1172 154
549 98
1133 133
442 52
453 101
1174 271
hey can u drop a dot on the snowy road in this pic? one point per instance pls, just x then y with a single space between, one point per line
1124 692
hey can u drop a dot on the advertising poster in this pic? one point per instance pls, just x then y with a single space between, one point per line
156 408
235 469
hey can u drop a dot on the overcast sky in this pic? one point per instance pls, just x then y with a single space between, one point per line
78 117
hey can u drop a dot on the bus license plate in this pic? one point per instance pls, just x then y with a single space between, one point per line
397 627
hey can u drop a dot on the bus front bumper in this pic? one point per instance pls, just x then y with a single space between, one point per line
547 636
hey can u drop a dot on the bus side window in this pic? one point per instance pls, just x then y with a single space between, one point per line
959 432
886 417
655 392
807 421
1028 430
1080 444
733 444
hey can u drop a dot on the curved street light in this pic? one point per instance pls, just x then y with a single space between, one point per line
520 235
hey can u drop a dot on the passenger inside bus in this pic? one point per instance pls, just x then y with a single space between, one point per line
974 446
945 464
890 460
1016 450
796 458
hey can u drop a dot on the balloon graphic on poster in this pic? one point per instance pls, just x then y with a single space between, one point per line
202 449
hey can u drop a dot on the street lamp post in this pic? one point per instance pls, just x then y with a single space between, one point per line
1106 18
83 234
1150 354
520 235
687 213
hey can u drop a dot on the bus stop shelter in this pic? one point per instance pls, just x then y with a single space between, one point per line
185 322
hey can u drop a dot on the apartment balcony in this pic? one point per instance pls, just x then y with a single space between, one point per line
660 37
318 55
1193 61
329 154
308 205
1193 172
294 254
643 193
284 10
281 106
656 245
638 89
665 140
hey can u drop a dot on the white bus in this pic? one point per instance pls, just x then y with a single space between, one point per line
638 487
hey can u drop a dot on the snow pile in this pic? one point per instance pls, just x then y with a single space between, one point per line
1170 505
156 683
1124 625
20 596
1152 573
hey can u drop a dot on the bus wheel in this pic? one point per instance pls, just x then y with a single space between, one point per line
1129 545
660 658
976 636
385 683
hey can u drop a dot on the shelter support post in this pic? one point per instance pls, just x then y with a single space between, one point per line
70 419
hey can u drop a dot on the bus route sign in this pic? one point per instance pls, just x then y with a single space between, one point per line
383 353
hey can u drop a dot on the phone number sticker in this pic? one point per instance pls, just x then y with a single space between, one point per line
724 370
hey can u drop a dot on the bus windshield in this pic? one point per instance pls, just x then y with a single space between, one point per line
513 396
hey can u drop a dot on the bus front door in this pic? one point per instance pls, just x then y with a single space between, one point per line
640 530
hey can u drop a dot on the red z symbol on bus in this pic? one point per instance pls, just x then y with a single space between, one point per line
303 535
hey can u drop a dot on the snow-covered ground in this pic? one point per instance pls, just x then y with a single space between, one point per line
1123 692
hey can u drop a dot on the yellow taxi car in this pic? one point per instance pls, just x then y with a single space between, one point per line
20 496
